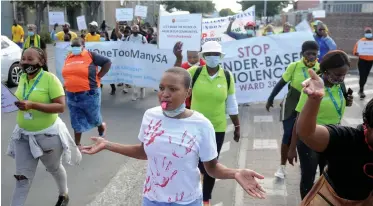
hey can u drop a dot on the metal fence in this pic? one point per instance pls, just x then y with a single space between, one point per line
347 7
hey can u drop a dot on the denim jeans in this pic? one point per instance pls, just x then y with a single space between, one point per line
309 160
147 202
85 109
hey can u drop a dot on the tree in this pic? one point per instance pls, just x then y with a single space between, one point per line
226 12
92 9
191 6
273 7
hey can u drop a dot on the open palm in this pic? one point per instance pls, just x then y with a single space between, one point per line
99 145
247 179
314 86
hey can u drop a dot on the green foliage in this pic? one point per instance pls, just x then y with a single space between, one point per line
273 7
45 36
191 6
226 12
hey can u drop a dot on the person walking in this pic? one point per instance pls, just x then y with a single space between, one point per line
93 35
333 69
348 180
249 30
40 134
82 84
295 74
59 36
326 43
34 40
173 138
17 34
365 62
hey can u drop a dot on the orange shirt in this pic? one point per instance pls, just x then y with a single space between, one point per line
367 58
80 71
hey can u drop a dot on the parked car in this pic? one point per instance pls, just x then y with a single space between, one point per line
10 61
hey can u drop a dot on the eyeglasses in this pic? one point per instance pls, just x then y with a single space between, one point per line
322 29
368 170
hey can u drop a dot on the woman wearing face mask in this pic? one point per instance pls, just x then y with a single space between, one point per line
326 43
173 138
268 30
82 85
365 61
333 70
214 96
295 74
40 134
193 59
287 28
249 30
93 36
348 180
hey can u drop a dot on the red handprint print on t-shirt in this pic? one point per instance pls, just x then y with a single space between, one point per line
153 131
188 147
164 174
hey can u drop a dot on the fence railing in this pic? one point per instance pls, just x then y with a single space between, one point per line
346 7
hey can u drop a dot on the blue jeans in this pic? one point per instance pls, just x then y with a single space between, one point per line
20 44
147 202
85 109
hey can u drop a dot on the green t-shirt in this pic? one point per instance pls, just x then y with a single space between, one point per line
294 74
209 96
48 88
328 113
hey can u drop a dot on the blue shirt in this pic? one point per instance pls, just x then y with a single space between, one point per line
326 44
238 36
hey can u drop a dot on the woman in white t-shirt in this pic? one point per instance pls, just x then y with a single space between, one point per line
173 138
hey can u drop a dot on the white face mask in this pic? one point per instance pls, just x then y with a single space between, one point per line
212 61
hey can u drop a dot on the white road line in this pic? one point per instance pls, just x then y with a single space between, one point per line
226 147
244 146
219 204
260 144
268 118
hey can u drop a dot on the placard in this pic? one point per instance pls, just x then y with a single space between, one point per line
141 11
186 28
365 48
7 100
124 14
82 25
56 17
319 14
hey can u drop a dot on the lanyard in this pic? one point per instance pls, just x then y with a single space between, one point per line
25 97
339 109
305 73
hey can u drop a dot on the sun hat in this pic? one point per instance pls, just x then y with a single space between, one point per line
212 46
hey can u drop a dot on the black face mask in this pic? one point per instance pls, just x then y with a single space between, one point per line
135 33
30 69
92 33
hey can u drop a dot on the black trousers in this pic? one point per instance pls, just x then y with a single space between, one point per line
111 85
209 182
309 160
364 70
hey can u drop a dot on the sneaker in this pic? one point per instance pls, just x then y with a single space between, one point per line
62 200
281 172
361 94
206 203
142 93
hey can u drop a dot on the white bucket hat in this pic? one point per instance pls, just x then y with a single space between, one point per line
211 46
93 23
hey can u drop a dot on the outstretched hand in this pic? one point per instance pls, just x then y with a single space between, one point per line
178 49
314 86
98 146
247 179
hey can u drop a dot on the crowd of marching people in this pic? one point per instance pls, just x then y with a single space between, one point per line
184 134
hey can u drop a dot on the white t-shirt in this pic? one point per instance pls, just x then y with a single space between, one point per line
173 148
137 39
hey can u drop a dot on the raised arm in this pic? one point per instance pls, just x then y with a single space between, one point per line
178 49
119 35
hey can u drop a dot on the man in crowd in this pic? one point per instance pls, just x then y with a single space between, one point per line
17 34
60 36
93 35
249 30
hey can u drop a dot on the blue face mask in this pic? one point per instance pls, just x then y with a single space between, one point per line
102 39
175 112
76 50
250 32
269 33
30 33
368 35
212 61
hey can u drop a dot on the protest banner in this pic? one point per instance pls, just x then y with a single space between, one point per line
185 28
136 64
365 48
257 64
82 25
141 11
56 17
7 100
303 26
124 14
214 29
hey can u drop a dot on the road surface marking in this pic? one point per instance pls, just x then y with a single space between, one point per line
263 118
244 146
226 147
265 144
219 204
